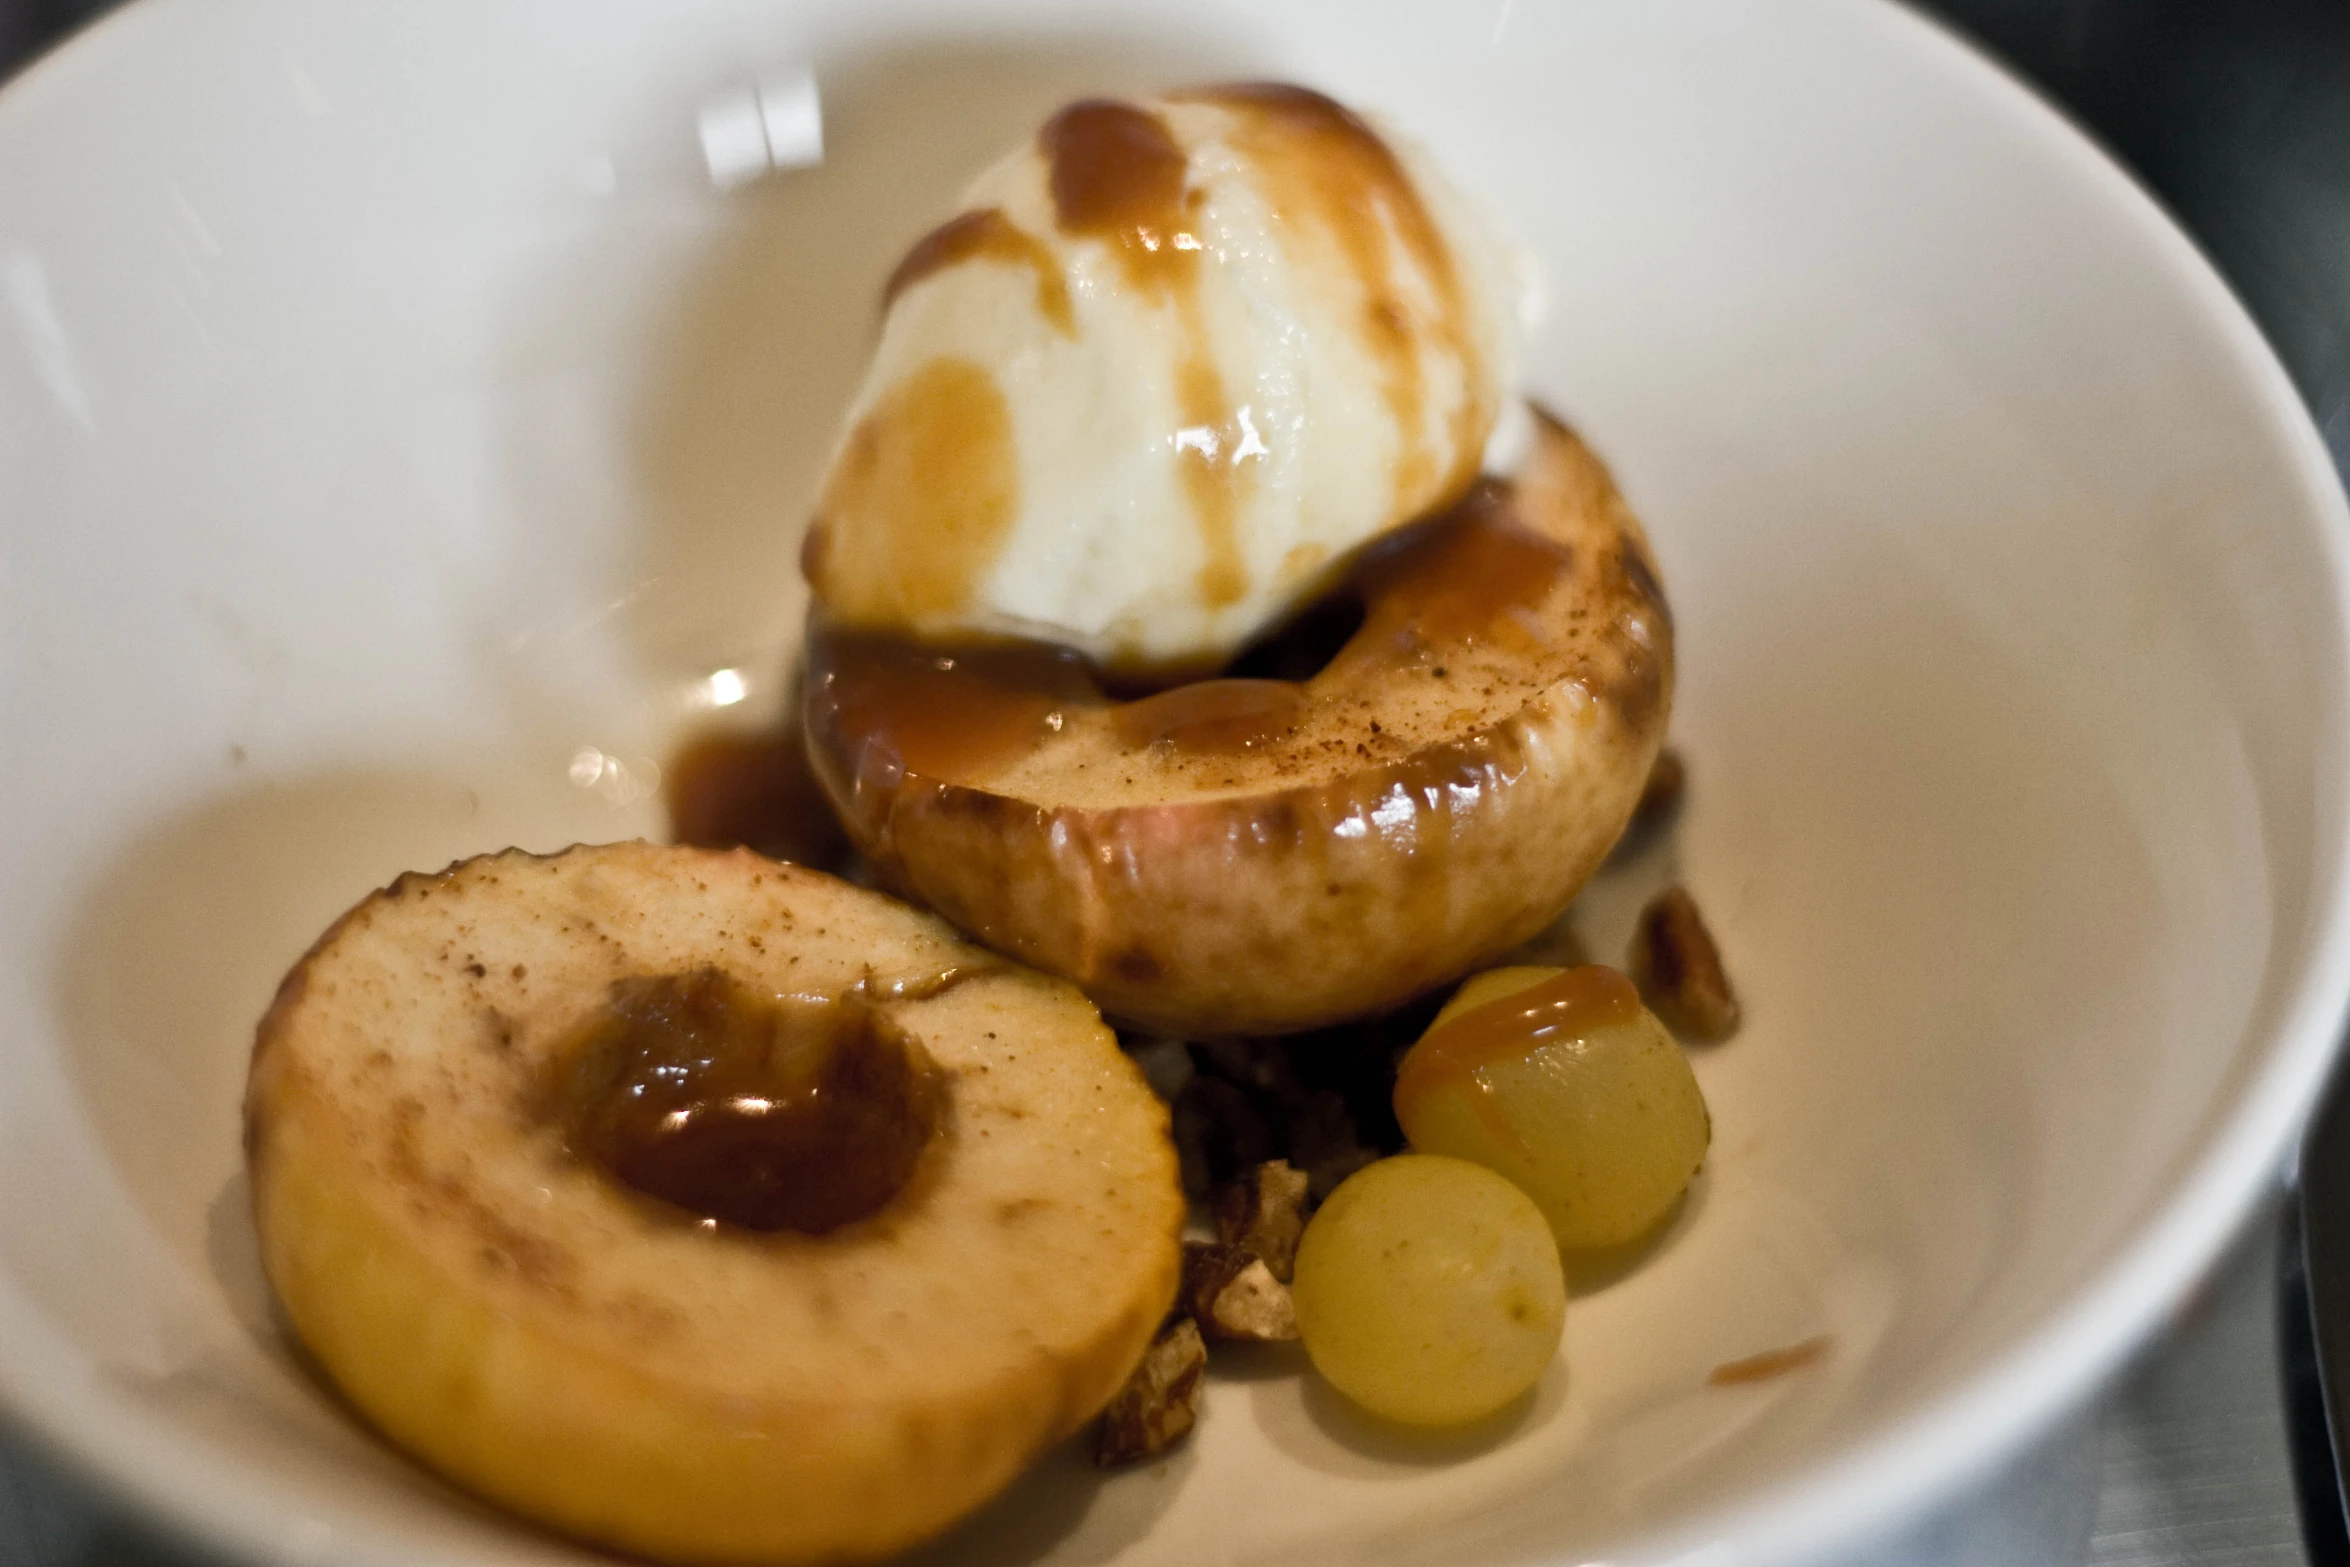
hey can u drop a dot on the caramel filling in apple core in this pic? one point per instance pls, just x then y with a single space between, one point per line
745 1110
961 714
1560 1009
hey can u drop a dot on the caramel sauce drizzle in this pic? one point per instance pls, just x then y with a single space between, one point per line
987 235
1566 1006
931 472
1120 177
1463 576
963 714
925 488
1322 164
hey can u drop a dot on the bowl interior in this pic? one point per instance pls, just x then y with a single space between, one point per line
397 433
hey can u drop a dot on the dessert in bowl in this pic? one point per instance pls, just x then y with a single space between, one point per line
797 1241
2017 743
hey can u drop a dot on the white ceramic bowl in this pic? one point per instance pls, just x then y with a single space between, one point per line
397 432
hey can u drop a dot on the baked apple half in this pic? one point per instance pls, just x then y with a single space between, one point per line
1251 855
701 1206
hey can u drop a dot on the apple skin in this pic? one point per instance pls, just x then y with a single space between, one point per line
593 1360
1446 792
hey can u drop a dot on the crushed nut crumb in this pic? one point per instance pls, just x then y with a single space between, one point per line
1159 1403
1679 969
1263 1210
1232 1295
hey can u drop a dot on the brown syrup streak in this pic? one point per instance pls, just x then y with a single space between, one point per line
1321 164
1118 176
1770 1363
986 235
925 489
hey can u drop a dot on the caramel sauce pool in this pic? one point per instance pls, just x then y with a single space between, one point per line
756 791
1565 1006
954 714
747 1111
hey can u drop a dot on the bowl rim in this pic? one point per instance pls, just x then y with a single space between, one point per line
54 1402
1937 1451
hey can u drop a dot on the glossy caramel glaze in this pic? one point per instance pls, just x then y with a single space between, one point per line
1446 600
955 714
747 1110
1118 175
1213 717
1440 790
1477 574
966 714
1562 1008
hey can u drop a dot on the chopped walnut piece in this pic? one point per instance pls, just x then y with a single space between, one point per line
1679 970
1232 1295
1159 1403
1263 1210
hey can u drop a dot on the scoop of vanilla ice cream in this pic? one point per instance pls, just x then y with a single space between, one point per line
1173 361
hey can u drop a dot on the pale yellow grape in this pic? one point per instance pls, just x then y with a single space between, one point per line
1428 1290
1603 1129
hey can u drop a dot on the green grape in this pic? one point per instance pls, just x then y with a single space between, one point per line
1428 1290
1560 1080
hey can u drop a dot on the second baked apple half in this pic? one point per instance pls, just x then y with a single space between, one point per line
1255 856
